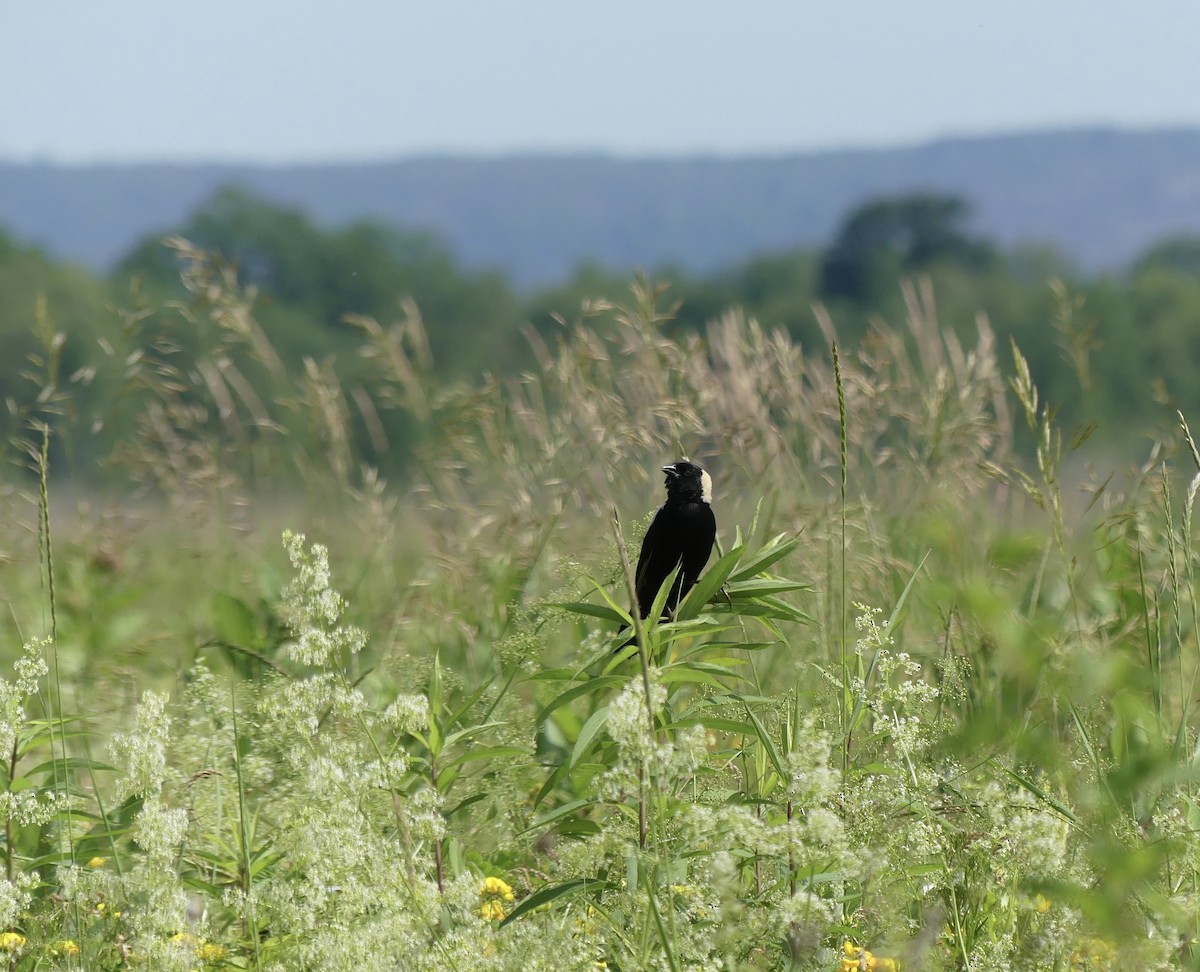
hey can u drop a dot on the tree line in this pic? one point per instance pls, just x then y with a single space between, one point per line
1116 349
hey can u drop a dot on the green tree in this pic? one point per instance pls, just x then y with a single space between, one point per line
1180 254
885 238
311 278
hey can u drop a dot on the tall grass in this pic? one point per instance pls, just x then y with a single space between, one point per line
454 766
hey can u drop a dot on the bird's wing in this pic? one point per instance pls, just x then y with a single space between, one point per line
646 581
702 535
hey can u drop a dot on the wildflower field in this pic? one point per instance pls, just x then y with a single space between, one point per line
930 708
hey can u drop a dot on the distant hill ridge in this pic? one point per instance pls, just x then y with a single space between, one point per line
1101 196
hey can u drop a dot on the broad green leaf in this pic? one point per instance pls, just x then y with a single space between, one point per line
487 752
767 744
590 728
770 554
710 582
683 674
586 688
715 723
234 621
556 891
558 813
763 585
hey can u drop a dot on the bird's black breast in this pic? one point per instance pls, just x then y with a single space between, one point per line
681 534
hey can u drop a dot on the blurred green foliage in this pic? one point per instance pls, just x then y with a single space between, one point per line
1116 349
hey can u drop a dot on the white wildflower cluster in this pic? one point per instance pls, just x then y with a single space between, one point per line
908 734
803 919
874 635
314 608
628 719
424 813
995 955
296 708
82 885
15 896
408 713
346 815
899 696
158 901
814 840
810 777
293 709
1032 838
955 673
644 755
385 774
32 808
143 752
1170 822
30 669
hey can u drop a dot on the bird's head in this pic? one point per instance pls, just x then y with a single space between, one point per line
686 480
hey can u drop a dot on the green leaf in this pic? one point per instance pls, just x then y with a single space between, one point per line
234 621
558 813
601 611
552 675
711 646
682 673
487 752
763 607
556 776
764 585
578 827
590 728
900 601
468 732
77 763
664 592
770 554
586 688
767 744
708 585
1057 805
716 723
556 891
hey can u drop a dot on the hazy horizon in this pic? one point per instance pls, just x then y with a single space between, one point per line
601 153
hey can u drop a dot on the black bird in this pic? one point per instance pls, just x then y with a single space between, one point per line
681 535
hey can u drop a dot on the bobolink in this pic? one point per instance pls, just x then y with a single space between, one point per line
681 535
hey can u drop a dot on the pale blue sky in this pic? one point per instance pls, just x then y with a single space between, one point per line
306 80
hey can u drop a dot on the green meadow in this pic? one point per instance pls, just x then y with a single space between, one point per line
933 706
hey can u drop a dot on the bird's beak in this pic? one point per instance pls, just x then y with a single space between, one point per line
670 470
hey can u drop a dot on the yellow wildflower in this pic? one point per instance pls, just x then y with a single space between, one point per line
497 888
63 947
494 892
858 959
11 941
98 862
491 910
210 952
1093 954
